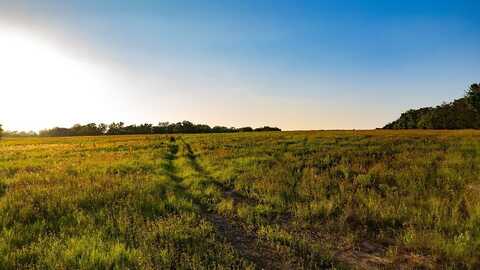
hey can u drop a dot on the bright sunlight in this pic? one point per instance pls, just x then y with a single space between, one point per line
46 80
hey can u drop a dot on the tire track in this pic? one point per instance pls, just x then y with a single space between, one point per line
246 243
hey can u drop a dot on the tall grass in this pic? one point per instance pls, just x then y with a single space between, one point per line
415 191
145 202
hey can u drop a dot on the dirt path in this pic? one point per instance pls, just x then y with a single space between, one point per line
245 243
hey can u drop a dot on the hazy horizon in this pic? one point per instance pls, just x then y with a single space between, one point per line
297 65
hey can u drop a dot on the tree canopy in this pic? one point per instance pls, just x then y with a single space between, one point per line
120 128
462 113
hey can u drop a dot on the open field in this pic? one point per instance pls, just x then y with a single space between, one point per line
282 200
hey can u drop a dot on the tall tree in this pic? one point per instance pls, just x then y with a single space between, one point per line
473 96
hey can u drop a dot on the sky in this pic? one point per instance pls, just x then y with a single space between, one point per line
292 64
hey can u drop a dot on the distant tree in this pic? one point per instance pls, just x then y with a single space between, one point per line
19 134
136 129
219 129
188 127
119 128
202 129
267 128
1 131
103 128
473 96
116 128
462 113
245 129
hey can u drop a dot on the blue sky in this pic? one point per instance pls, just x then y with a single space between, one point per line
293 64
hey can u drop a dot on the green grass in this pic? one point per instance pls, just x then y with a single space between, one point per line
250 200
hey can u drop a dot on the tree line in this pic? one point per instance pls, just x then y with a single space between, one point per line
120 128
462 113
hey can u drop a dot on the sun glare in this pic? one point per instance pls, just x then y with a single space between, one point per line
41 85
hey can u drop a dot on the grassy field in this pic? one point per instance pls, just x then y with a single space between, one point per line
289 200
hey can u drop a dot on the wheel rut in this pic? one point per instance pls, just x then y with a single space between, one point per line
245 243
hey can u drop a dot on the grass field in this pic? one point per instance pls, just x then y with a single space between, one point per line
287 200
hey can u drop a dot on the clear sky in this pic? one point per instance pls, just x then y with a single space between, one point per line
293 64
